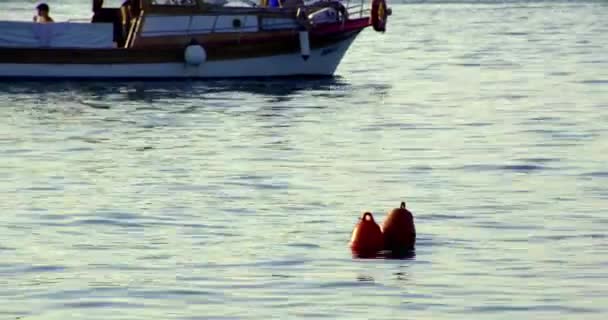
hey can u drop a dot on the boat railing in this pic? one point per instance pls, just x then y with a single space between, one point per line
354 8
360 8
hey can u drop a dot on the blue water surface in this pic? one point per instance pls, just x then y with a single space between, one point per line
236 199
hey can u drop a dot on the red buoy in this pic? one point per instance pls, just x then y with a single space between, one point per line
399 230
366 240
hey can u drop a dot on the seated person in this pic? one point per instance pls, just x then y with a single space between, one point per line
43 14
282 3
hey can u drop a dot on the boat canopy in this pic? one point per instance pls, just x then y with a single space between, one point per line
184 5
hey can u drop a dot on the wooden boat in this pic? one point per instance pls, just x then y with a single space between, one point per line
190 39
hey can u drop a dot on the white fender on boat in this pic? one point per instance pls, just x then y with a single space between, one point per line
195 54
304 45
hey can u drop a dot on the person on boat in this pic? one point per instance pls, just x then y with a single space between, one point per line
43 14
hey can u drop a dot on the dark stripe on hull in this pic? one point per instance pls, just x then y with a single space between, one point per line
253 79
216 51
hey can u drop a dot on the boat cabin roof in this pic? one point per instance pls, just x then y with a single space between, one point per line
171 7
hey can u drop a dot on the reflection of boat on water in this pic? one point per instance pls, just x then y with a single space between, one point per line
190 39
126 90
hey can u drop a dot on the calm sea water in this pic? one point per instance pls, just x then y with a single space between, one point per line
236 199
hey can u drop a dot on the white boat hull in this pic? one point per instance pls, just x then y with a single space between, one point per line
321 62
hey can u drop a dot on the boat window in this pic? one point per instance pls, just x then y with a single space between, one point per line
180 3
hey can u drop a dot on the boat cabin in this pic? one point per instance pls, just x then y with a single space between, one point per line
175 22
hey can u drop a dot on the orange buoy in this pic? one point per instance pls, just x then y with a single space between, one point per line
399 230
366 240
